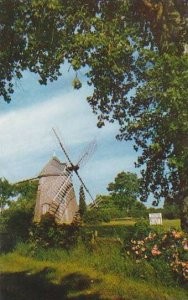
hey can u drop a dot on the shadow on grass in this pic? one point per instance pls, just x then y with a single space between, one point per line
27 286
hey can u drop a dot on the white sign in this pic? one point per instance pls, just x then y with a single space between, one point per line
155 219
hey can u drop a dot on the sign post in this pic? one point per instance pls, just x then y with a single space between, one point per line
155 219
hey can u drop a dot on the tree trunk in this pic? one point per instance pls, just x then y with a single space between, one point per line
184 213
183 175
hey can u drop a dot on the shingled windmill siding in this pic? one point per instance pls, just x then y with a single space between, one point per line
56 193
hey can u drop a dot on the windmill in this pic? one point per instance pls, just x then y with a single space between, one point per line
56 194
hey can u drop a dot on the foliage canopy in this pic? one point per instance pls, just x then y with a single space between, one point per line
124 190
6 192
16 220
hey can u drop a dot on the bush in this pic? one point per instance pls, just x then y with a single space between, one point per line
115 212
96 216
141 229
110 231
16 221
15 226
163 250
49 234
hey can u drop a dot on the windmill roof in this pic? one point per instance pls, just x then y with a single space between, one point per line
53 167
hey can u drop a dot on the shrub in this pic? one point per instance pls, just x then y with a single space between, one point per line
115 212
16 221
96 216
119 231
168 249
141 229
15 225
49 234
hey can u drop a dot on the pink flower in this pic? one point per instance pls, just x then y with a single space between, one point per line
185 245
140 242
155 250
176 234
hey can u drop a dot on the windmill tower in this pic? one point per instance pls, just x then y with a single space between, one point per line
56 194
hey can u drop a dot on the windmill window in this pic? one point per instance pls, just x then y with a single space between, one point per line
45 208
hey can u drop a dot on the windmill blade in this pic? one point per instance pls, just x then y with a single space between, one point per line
62 147
73 167
87 153
63 186
95 204
57 188
86 189
64 204
59 199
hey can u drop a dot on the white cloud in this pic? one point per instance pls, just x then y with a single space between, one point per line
26 139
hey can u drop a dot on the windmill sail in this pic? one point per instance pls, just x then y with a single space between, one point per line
72 167
87 153
63 199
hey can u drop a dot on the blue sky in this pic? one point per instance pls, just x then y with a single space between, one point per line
27 141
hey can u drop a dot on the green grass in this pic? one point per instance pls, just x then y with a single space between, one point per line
120 222
171 224
123 228
166 223
99 273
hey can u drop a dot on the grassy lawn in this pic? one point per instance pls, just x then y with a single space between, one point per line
101 272
171 224
120 222
166 223
28 278
123 228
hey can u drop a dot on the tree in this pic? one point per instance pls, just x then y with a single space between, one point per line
40 35
82 202
171 210
114 207
104 201
26 191
124 190
138 210
6 192
136 55
17 219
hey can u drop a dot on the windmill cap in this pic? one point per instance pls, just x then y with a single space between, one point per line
53 168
